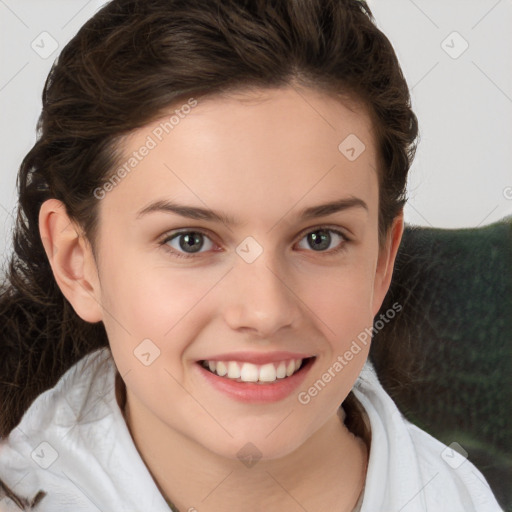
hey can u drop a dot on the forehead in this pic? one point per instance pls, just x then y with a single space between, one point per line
308 115
250 149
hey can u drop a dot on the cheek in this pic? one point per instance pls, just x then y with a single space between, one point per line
146 296
342 302
341 297
162 304
154 314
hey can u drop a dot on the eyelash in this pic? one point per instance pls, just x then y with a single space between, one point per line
177 254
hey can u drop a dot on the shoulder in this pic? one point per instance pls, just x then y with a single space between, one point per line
449 473
408 469
28 456
73 449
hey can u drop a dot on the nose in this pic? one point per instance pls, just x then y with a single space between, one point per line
259 299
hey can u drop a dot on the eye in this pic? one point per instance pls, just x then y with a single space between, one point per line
185 244
321 240
188 242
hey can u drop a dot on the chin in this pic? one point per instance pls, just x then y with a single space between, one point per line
256 446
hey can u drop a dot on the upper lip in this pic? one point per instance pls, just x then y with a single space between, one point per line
258 358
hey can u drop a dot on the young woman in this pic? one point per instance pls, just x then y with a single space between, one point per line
207 228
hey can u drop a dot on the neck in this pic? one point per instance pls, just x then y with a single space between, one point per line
326 472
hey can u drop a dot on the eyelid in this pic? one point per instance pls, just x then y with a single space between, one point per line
326 227
174 232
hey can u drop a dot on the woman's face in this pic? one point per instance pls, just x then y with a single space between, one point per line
242 236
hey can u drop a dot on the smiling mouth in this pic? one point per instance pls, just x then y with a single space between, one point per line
261 374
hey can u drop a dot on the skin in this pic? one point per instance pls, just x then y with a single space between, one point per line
260 157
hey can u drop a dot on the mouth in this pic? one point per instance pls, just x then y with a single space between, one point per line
250 372
256 381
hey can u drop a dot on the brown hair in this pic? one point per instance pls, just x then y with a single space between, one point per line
123 69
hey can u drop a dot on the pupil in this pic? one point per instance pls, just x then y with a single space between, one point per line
187 242
320 242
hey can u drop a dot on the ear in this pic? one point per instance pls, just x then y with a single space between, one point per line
386 261
72 261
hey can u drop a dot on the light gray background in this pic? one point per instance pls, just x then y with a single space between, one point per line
462 175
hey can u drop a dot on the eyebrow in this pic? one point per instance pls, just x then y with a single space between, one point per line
193 212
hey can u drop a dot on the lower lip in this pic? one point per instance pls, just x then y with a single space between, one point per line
251 392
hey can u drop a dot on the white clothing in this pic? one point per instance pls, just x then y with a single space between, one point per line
73 444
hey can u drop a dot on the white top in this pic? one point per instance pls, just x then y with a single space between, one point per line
73 444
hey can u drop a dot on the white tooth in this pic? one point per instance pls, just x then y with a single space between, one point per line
281 371
298 362
221 369
249 372
233 370
290 368
268 373
212 365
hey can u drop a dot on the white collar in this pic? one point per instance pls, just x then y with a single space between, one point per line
78 431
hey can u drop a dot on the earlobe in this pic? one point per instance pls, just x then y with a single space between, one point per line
71 259
386 262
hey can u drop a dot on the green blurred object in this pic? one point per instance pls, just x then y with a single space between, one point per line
446 359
